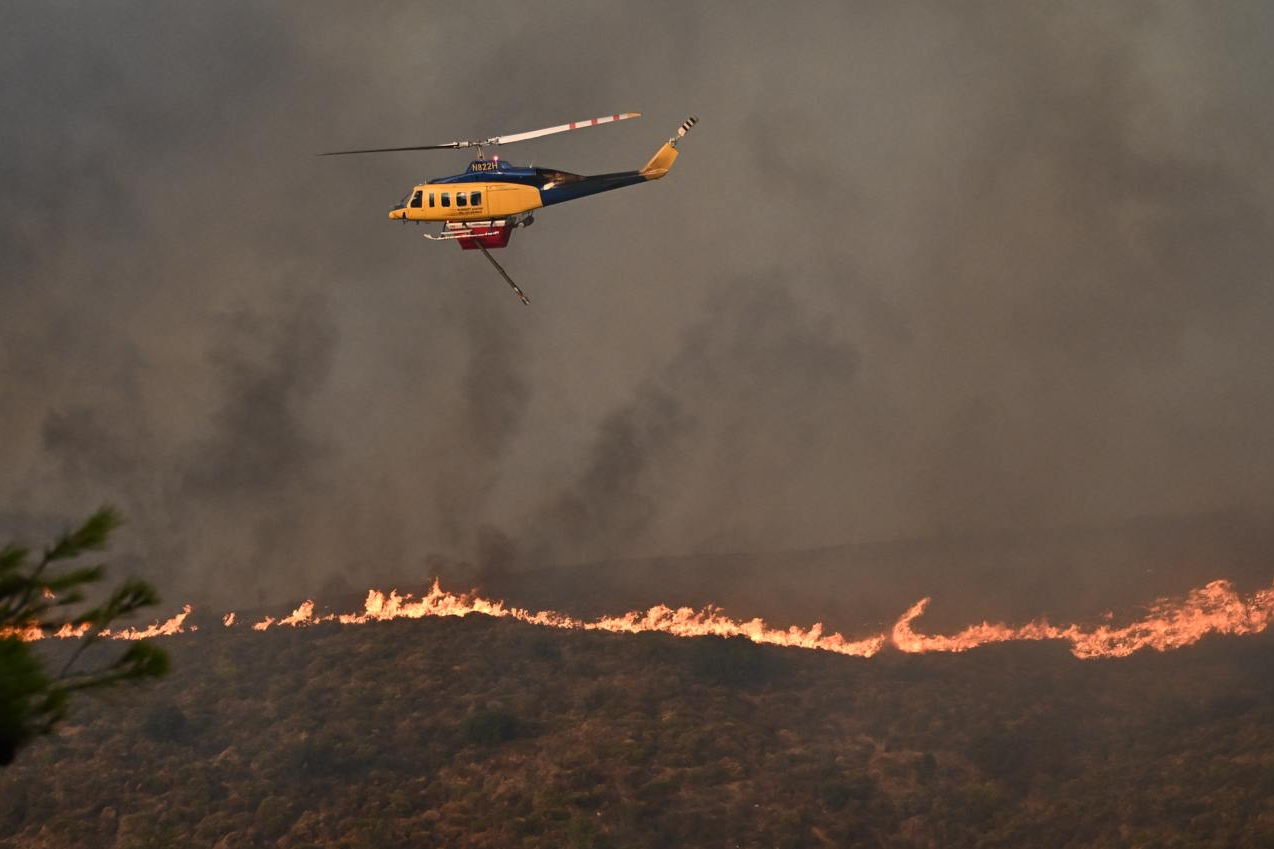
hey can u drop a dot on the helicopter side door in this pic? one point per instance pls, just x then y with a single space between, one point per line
415 207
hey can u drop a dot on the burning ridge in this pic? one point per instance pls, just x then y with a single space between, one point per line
1216 608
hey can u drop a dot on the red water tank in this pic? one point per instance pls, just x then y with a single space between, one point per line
489 237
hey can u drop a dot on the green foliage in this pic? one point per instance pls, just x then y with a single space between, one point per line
928 767
274 817
982 799
838 790
734 661
320 757
25 696
47 594
581 832
491 726
166 723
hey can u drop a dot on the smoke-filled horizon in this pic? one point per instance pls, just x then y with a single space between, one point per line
920 271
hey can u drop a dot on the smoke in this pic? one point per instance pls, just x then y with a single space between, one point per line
266 367
918 272
750 384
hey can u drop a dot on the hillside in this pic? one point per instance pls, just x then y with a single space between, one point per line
484 733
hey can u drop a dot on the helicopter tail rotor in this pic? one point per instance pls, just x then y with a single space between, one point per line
685 127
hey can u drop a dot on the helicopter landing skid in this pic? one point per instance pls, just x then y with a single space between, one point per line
521 295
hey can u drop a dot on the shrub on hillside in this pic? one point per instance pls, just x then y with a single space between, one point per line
491 726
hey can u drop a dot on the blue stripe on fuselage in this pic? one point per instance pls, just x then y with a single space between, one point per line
571 189
523 176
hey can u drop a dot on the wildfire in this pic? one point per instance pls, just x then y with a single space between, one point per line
682 622
167 628
1168 624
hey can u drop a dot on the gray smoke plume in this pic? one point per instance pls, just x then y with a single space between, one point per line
921 272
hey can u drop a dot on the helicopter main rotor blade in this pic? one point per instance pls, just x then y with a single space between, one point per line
562 128
495 140
396 149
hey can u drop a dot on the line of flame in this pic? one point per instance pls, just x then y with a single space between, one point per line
682 622
1213 609
1168 624
167 628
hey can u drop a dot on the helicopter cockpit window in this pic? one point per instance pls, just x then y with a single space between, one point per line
462 199
446 198
475 198
416 198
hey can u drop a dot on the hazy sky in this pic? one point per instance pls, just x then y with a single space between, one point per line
921 268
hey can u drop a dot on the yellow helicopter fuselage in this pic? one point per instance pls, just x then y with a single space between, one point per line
471 201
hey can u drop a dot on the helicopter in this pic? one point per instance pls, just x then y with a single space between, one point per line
482 207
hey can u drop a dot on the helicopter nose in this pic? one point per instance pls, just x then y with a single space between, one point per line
398 212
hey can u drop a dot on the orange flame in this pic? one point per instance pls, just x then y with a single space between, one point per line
167 628
69 631
26 633
1214 609
160 629
1168 624
684 622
